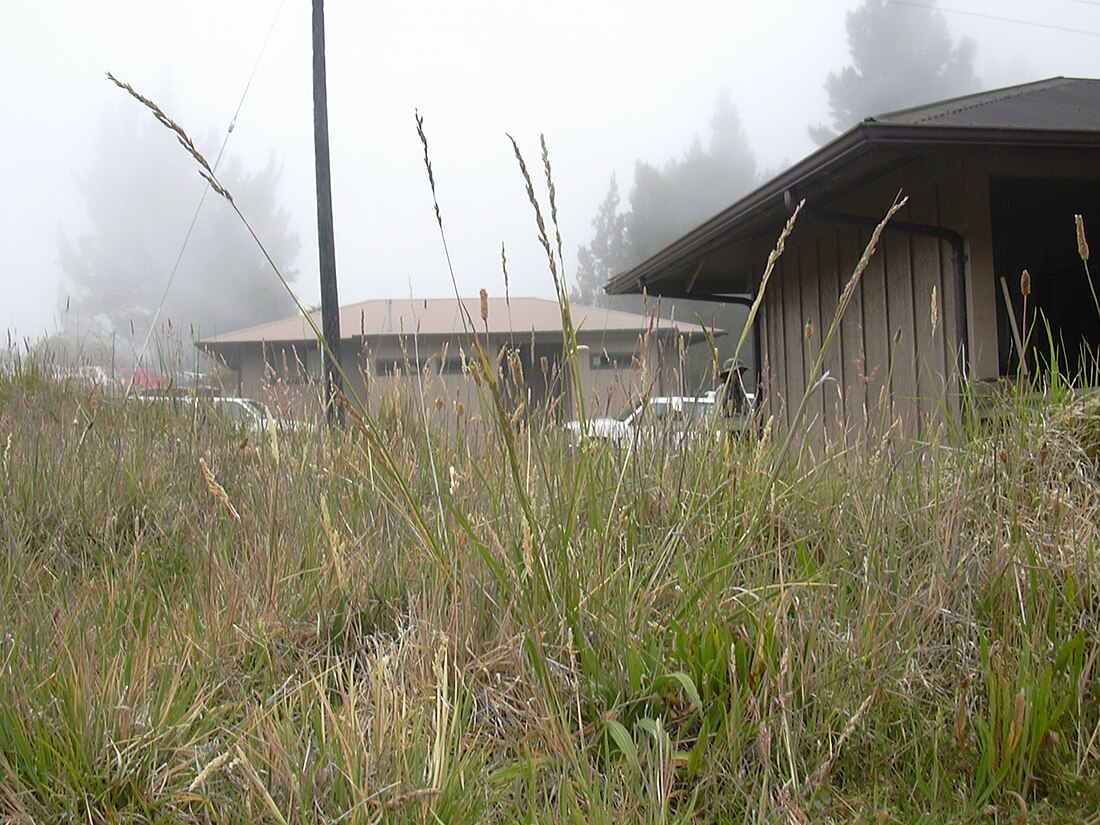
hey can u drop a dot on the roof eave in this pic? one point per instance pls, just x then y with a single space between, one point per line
848 147
661 328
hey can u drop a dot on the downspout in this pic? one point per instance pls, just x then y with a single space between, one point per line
958 260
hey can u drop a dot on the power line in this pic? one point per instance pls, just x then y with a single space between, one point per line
998 17
202 198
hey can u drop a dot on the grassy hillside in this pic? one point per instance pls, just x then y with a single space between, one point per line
461 621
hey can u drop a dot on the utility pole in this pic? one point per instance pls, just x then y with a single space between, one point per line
326 245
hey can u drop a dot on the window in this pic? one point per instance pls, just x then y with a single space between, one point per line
388 367
294 364
451 366
606 361
433 365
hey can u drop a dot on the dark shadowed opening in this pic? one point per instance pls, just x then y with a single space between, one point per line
1033 229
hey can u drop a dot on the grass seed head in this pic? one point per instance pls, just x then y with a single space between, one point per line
210 768
935 310
515 366
1025 283
1016 731
218 491
1082 243
528 550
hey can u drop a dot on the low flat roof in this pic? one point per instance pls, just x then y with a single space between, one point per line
444 317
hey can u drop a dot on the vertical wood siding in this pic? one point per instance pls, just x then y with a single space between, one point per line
888 369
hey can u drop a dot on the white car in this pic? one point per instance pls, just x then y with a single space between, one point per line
241 412
244 412
675 418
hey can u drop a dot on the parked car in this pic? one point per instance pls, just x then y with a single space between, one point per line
141 380
242 412
673 418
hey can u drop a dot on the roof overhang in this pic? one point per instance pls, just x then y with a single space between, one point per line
586 334
863 152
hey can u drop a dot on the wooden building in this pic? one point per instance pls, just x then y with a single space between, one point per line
423 345
993 182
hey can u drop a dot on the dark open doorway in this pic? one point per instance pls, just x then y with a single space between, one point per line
1033 229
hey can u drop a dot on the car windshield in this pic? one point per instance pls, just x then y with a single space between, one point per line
650 412
686 410
628 413
700 410
236 410
257 409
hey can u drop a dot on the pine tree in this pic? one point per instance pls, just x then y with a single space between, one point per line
901 56
666 202
605 255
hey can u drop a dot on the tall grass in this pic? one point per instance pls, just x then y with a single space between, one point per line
399 622
897 638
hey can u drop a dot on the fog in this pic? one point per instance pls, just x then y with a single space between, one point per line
608 83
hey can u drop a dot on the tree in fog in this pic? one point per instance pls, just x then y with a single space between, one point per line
901 56
141 195
666 202
605 255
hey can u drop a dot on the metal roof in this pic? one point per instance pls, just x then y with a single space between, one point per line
1062 103
1058 112
444 317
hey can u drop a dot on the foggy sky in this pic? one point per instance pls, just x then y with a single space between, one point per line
608 82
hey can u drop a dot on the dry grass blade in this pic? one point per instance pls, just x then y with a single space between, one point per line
825 768
1021 817
428 166
467 320
218 491
261 788
544 237
551 191
815 376
569 332
207 171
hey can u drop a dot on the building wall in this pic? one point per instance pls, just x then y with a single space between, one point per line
889 369
614 369
886 362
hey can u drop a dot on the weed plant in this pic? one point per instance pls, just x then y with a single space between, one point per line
416 619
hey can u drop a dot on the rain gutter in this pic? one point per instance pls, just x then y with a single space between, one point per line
848 148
